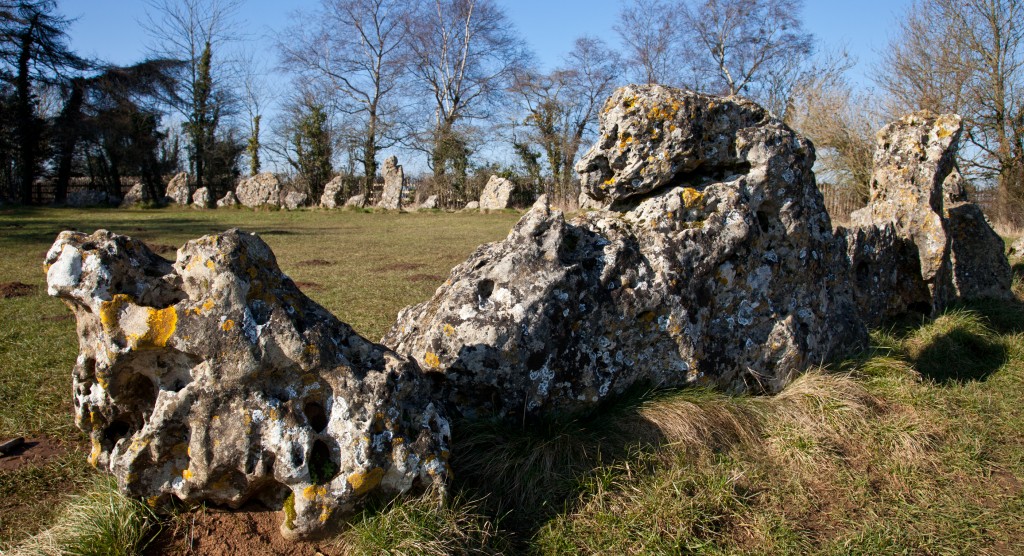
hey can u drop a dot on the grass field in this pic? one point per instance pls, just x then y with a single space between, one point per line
915 447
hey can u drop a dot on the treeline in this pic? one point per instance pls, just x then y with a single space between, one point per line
454 81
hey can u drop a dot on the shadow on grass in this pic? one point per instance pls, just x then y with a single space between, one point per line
959 356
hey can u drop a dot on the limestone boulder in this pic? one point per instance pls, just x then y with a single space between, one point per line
394 180
917 190
202 197
259 190
430 203
215 379
295 200
179 189
496 193
228 200
333 191
1017 248
724 274
356 201
472 205
136 196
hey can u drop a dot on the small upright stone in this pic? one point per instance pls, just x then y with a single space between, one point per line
496 193
430 203
137 195
295 200
179 189
394 180
228 200
356 201
259 190
472 205
333 191
201 198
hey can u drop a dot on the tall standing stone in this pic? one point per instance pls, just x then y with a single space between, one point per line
179 189
394 179
332 197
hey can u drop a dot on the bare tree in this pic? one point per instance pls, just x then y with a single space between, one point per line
743 42
967 56
561 108
360 48
650 32
195 32
257 93
465 54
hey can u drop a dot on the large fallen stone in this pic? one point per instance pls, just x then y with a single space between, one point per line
394 181
260 190
496 193
722 272
917 190
179 189
215 379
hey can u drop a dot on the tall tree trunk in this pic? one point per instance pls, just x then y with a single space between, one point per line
68 124
27 127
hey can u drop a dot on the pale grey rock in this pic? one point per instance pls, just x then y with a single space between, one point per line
215 379
356 201
228 200
430 203
259 190
472 205
394 180
137 195
917 190
295 200
496 193
179 189
333 191
1017 248
202 197
724 275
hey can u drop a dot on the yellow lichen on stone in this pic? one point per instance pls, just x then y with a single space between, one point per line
186 474
449 330
362 483
161 324
312 492
431 360
227 325
94 456
692 198
210 265
289 511
109 311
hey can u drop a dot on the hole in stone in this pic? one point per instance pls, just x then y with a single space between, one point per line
763 222
316 416
321 467
536 360
116 431
484 289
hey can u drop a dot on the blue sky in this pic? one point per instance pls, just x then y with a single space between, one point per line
109 29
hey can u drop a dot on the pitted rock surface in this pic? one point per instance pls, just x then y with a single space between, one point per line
332 193
723 274
496 193
201 198
216 379
228 200
917 190
179 190
295 200
394 180
259 190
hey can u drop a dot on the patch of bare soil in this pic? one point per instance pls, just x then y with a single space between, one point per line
312 286
426 278
400 266
251 531
15 289
315 262
35 451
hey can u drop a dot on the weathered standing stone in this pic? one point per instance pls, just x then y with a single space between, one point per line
356 201
179 189
472 205
394 180
295 200
261 189
722 272
201 198
496 193
228 200
917 191
216 379
137 195
430 203
332 193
